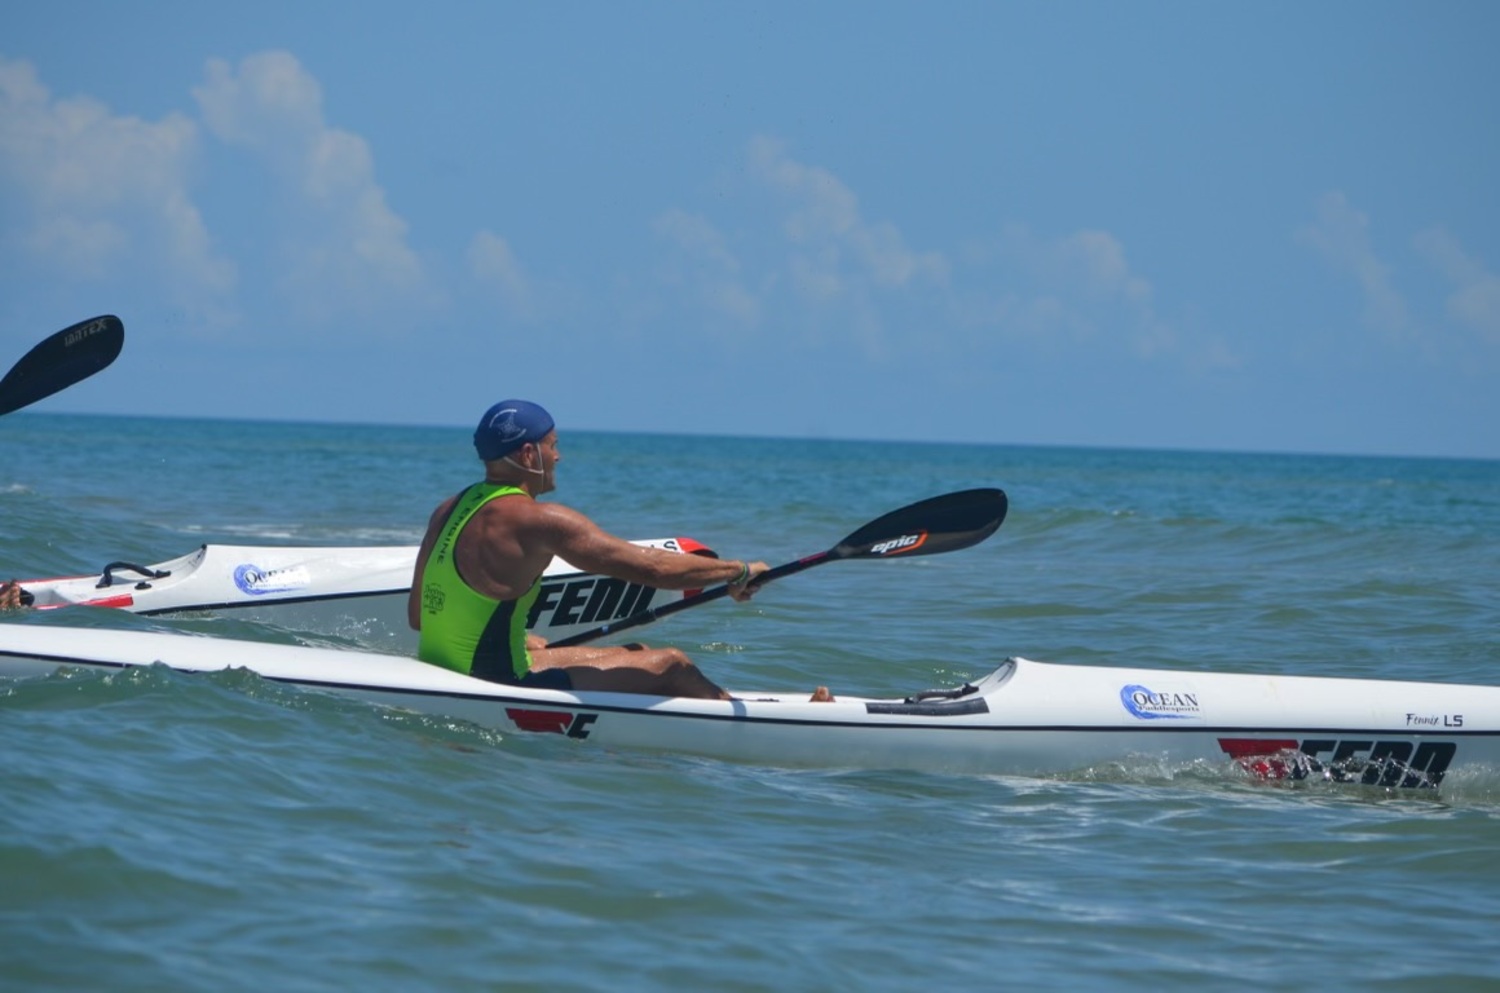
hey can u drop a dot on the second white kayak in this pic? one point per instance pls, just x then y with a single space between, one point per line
332 587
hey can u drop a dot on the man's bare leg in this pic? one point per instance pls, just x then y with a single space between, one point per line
619 669
638 669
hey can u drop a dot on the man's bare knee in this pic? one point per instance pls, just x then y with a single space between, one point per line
684 677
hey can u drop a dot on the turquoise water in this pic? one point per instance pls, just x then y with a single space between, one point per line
163 832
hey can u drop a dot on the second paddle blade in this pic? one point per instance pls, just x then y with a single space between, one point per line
67 357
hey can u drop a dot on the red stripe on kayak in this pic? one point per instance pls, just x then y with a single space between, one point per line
546 721
123 600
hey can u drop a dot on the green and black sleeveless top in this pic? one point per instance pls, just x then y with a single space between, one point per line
463 629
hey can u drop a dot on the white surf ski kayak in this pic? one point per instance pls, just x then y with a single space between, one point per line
1025 717
325 587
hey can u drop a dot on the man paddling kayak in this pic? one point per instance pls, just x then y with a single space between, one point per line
481 560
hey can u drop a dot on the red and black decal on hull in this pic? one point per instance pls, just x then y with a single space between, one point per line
551 721
1396 762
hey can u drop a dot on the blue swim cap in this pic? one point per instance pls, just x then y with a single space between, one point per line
507 426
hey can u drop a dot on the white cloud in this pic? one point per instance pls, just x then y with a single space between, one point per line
696 235
106 194
839 251
1475 300
350 248
705 266
858 277
1097 261
1081 285
1341 234
494 264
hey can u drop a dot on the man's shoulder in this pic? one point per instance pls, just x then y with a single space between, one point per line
552 511
522 507
558 519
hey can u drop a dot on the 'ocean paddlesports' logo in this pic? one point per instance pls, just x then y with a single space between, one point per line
897 546
254 581
1160 704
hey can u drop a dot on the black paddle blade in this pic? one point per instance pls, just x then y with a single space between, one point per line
940 524
67 357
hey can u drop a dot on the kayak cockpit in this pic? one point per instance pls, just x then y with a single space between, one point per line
970 698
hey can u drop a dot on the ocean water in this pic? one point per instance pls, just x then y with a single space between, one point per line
168 832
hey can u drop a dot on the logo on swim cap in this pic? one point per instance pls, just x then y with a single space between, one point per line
507 426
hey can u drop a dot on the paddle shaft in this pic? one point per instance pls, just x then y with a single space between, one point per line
939 524
707 596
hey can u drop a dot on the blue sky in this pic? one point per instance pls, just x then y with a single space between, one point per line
1180 225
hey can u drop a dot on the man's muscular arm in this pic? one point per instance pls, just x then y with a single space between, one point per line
583 543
